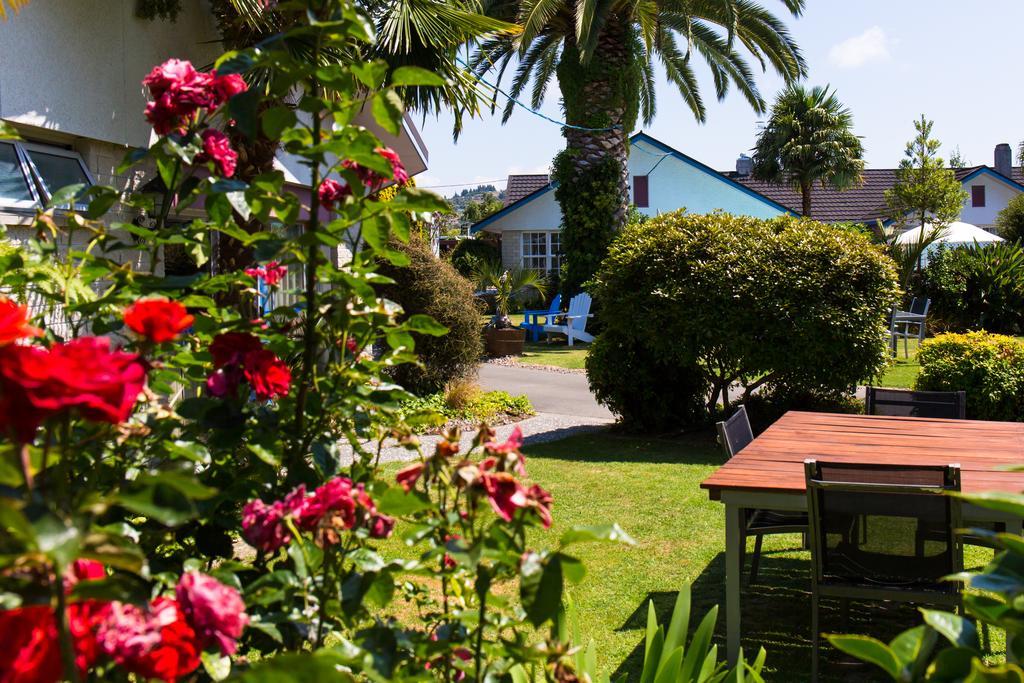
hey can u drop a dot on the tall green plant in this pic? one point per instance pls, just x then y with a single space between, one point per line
807 140
511 286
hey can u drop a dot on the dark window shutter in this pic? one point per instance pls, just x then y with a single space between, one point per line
977 195
640 191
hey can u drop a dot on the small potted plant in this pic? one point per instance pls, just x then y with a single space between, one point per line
507 286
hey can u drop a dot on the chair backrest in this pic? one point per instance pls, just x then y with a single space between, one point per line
579 305
906 403
883 526
735 433
920 305
556 304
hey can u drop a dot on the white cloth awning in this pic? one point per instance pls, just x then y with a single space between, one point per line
954 234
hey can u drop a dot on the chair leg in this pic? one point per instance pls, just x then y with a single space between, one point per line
814 637
755 561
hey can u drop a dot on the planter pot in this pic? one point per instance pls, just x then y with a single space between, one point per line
507 342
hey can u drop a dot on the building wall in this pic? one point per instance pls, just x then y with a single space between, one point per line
674 184
997 195
76 66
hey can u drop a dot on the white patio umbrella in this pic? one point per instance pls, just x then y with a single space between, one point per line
956 234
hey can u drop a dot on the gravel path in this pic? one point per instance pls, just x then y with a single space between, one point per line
540 428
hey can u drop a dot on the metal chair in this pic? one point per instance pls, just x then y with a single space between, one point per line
905 403
901 322
894 502
735 434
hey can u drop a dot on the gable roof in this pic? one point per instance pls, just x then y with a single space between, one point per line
523 184
864 203
541 184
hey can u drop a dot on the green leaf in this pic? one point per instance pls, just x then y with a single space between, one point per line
370 74
424 324
218 667
276 119
414 75
66 195
243 108
587 534
540 587
698 648
387 111
57 539
397 503
265 454
309 667
913 648
668 669
868 649
960 632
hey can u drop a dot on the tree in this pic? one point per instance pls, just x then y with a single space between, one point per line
925 190
1011 220
603 55
809 139
957 160
482 208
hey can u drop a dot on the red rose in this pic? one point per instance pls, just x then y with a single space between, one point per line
540 500
331 192
408 476
217 148
215 611
381 526
168 76
156 643
263 525
267 374
158 320
272 273
229 85
30 652
231 347
505 494
334 495
14 322
398 172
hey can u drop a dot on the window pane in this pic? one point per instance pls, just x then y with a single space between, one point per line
13 185
57 171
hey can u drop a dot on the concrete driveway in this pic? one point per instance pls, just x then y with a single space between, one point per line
555 393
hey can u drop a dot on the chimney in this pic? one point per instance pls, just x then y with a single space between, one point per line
745 166
1004 159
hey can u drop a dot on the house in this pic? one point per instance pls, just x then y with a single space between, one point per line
79 108
662 179
989 189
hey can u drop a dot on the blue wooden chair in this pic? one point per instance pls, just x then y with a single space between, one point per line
534 321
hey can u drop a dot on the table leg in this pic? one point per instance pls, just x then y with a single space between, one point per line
733 572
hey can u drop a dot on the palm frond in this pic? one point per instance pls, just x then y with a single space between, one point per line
8 7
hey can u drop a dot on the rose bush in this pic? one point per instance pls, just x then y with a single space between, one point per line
189 493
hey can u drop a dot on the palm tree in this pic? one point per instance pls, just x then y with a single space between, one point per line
809 139
511 286
603 53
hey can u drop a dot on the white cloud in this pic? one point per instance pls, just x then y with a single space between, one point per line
870 46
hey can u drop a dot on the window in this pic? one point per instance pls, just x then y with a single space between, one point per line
977 195
640 191
30 174
542 251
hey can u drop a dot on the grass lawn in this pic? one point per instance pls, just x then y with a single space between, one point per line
557 353
651 486
905 370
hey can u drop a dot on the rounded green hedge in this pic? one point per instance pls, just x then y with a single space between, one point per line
431 286
467 254
977 287
734 300
989 367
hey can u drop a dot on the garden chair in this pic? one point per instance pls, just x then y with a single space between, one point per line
902 321
575 321
894 502
906 403
534 320
735 435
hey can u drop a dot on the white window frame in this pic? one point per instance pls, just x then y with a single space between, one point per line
36 187
552 258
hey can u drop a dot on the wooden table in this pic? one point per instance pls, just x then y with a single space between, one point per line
769 473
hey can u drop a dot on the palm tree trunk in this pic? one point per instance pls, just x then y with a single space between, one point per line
805 194
599 98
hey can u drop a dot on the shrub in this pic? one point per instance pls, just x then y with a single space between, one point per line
977 287
1011 220
729 299
469 255
989 367
428 285
475 407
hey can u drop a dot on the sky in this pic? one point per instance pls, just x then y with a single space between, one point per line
889 62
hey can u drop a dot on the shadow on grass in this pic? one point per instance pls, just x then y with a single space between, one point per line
776 616
608 446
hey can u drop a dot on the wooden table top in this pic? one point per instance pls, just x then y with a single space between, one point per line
773 462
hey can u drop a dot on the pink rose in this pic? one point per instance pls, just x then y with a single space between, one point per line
331 192
408 476
168 76
217 148
229 85
263 525
398 172
333 496
540 500
215 611
505 494
381 526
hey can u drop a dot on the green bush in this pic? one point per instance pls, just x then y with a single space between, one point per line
431 286
467 255
977 287
989 367
1011 220
736 300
